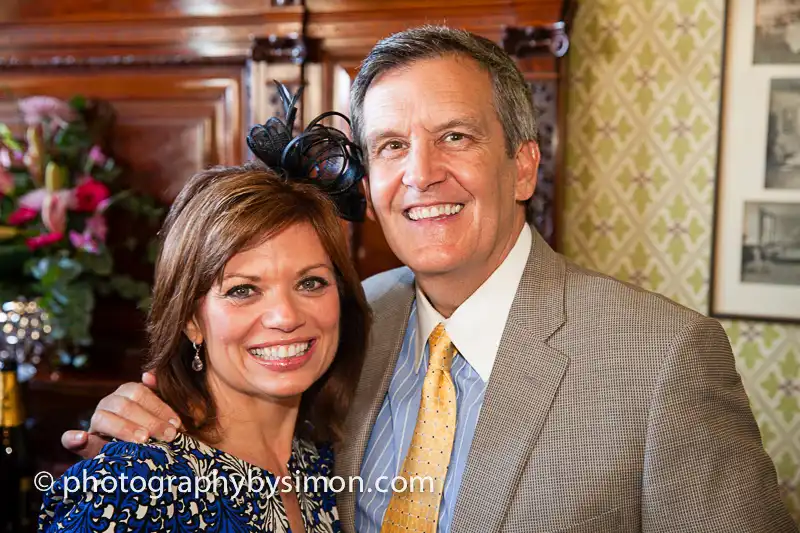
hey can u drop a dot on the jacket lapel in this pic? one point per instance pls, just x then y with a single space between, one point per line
391 310
523 383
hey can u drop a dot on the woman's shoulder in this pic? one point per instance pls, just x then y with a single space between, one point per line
119 485
156 453
312 457
119 457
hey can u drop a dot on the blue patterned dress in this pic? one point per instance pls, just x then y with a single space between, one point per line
177 486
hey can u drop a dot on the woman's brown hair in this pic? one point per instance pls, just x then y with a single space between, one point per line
219 213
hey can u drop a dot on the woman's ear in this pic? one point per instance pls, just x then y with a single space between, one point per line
193 332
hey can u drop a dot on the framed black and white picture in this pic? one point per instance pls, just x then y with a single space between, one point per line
783 135
777 31
771 244
755 267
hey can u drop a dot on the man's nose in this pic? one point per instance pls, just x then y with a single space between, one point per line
422 168
282 312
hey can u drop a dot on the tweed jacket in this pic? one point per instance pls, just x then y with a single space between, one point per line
609 408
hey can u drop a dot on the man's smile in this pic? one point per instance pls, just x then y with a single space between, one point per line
432 211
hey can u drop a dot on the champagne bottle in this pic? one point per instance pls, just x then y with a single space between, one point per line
16 483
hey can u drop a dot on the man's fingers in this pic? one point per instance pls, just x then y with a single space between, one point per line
137 423
147 400
74 440
108 423
149 379
82 443
133 413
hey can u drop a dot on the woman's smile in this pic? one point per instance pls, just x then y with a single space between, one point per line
284 357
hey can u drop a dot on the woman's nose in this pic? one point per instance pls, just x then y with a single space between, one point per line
283 313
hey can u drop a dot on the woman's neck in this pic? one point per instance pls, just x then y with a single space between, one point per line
256 429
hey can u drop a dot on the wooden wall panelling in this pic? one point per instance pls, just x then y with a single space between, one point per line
170 123
356 25
539 50
275 59
67 32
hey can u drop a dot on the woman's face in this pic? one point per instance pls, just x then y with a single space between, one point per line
271 328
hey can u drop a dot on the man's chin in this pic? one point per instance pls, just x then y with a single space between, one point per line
435 265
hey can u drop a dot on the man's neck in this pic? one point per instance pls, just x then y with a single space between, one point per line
446 292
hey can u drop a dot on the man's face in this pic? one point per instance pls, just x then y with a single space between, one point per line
441 184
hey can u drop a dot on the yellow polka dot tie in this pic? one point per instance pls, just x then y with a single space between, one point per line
417 508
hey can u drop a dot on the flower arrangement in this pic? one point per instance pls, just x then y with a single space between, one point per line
58 186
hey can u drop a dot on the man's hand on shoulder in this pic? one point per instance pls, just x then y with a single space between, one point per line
133 413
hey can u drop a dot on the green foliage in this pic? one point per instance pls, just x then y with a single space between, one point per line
60 254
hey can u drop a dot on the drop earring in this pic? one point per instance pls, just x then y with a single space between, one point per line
197 363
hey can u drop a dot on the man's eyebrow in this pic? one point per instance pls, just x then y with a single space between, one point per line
461 122
379 135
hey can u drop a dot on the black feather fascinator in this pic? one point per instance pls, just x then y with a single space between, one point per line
321 155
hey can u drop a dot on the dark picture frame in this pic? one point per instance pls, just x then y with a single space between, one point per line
755 257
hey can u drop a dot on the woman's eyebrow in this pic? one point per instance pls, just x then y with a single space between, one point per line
312 267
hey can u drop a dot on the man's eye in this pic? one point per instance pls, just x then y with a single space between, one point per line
392 146
240 291
455 136
313 284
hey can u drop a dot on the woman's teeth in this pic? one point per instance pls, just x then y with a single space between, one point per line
284 351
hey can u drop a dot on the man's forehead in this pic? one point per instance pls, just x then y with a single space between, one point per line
389 106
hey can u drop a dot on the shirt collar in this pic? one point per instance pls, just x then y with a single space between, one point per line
475 333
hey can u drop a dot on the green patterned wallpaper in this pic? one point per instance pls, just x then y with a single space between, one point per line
643 104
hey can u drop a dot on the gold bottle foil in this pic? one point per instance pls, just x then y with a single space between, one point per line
11 414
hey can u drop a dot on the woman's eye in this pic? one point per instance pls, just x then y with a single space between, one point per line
240 291
313 284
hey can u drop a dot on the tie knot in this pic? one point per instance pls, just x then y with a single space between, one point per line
442 349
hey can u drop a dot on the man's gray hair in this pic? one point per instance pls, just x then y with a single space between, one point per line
512 94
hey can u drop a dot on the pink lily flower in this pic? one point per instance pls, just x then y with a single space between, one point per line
6 182
37 109
22 216
43 240
84 241
96 225
54 213
97 156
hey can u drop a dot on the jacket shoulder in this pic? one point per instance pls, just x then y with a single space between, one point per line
607 315
385 287
614 299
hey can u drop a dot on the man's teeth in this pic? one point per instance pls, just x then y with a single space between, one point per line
420 213
281 352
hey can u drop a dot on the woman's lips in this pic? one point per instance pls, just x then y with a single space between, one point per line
287 364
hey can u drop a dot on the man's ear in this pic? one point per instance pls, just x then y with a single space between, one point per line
370 209
192 331
527 161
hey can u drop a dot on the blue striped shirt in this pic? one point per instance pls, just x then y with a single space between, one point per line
391 434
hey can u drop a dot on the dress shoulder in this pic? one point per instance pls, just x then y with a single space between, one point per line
172 486
124 487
